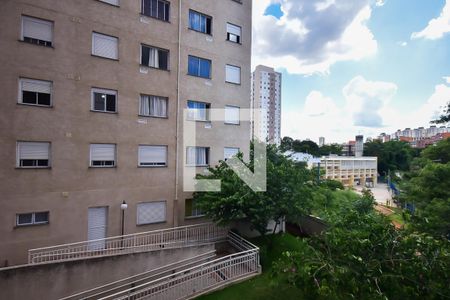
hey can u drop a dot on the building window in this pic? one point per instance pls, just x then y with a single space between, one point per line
104 100
154 57
112 2
229 152
158 9
199 67
152 156
200 22
36 218
153 106
35 92
233 74
105 46
198 111
151 212
232 115
103 155
191 209
197 156
33 154
37 31
233 33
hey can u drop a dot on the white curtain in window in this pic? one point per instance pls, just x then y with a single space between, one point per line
200 156
153 106
103 152
151 212
190 155
105 45
153 58
197 111
156 155
37 29
233 74
33 150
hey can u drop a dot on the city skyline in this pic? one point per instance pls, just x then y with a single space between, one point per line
355 69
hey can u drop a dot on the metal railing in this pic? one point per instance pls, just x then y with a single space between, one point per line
178 237
199 279
129 282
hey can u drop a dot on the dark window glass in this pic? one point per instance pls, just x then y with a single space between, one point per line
145 55
154 8
111 103
25 219
160 10
27 162
193 66
200 22
43 99
99 101
208 25
205 67
29 97
166 11
41 217
37 42
96 163
163 59
42 162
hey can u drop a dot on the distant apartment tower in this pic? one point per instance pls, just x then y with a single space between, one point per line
348 149
359 145
321 141
266 100
94 93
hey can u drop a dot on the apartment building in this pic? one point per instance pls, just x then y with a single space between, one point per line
266 96
91 125
350 171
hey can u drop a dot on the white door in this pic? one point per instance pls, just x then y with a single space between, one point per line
97 225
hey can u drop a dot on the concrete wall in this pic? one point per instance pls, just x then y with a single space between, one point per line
54 281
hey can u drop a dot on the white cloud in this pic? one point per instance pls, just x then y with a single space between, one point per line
437 27
380 2
402 43
367 109
311 36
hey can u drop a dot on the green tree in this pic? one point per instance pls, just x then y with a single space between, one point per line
330 149
392 155
445 117
286 144
288 193
439 152
305 146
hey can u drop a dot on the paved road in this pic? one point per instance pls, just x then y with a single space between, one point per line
381 194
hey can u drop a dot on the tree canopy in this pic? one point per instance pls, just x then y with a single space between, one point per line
445 117
310 147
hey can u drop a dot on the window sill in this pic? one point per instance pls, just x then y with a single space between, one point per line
194 217
155 18
207 78
31 225
153 68
33 168
147 224
104 57
151 167
234 42
200 121
101 167
43 46
234 83
208 34
156 117
197 166
236 124
34 105
105 112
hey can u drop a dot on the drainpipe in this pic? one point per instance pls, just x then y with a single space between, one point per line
177 151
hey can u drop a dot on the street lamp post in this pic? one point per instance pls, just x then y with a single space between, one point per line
123 207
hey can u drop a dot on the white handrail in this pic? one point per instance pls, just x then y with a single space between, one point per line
177 237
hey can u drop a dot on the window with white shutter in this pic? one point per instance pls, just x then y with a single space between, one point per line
37 31
233 74
35 92
231 115
230 152
103 155
33 154
233 33
104 100
151 212
112 2
152 156
105 45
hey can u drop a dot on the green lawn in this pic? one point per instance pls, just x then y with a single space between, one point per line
262 287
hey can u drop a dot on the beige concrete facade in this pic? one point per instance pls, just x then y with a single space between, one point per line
69 187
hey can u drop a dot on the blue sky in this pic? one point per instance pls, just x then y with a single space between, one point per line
355 66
